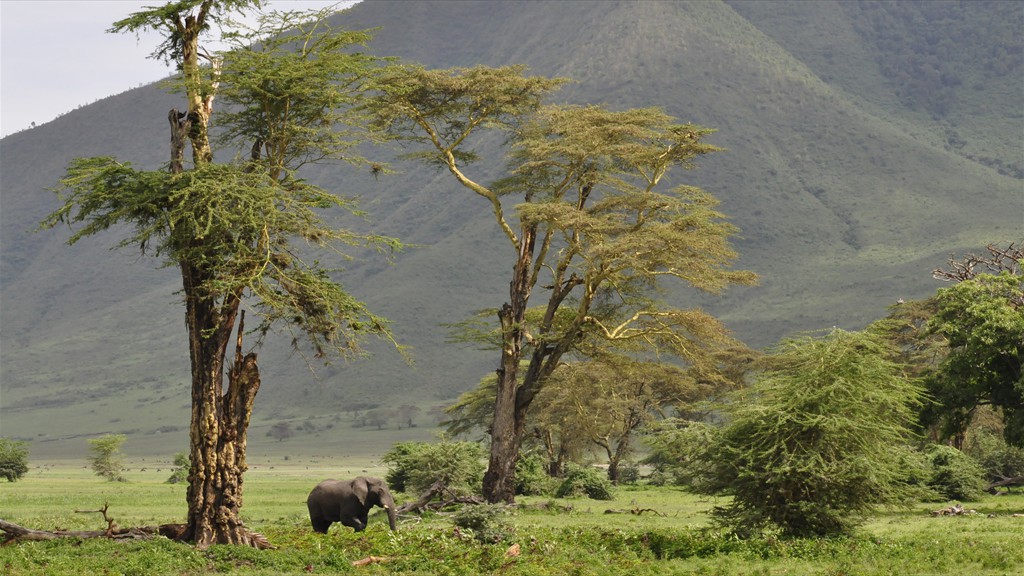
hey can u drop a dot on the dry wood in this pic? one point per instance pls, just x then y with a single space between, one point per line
437 489
636 510
370 560
1005 482
14 533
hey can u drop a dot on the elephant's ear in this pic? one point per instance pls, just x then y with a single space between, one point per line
361 489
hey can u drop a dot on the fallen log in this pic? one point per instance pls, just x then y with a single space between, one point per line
1006 482
14 533
636 510
437 490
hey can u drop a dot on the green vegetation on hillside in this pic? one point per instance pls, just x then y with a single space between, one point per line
845 196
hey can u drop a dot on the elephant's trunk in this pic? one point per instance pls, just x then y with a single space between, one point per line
389 505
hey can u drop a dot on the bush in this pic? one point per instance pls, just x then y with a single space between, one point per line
629 473
486 522
678 451
13 459
532 476
398 461
179 473
106 456
955 475
416 466
998 459
585 481
814 445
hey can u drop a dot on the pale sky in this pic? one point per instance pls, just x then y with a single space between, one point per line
55 55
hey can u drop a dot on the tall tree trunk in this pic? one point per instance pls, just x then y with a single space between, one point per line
508 425
219 423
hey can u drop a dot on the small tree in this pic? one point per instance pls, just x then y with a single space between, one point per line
815 443
106 458
179 473
13 459
281 431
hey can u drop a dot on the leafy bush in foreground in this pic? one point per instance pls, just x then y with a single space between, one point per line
487 522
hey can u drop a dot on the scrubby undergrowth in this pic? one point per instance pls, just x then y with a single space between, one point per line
542 537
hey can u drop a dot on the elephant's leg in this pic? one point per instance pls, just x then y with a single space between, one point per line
355 523
319 524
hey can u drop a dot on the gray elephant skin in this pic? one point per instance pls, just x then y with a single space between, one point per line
348 502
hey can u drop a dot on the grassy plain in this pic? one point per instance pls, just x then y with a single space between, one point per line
585 540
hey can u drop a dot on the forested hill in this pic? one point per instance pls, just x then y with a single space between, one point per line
865 143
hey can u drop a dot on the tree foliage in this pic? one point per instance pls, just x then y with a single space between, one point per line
982 322
815 443
106 458
416 466
965 343
244 233
13 459
954 475
591 219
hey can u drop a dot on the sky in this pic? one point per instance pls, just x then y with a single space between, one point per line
55 55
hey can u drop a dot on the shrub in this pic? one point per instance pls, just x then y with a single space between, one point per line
416 466
532 477
13 459
585 481
179 473
813 446
398 460
106 458
998 459
678 451
486 522
955 475
629 473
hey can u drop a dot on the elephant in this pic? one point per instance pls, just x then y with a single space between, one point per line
348 501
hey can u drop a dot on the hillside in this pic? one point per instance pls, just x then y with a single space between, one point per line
847 188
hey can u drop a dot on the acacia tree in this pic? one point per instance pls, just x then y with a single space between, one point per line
594 224
611 398
240 232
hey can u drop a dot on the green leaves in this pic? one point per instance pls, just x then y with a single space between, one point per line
815 443
293 87
982 321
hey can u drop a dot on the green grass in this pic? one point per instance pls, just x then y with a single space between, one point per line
584 540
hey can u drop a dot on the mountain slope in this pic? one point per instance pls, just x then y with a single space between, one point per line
846 197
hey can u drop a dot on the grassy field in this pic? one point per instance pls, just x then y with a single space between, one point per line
583 540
